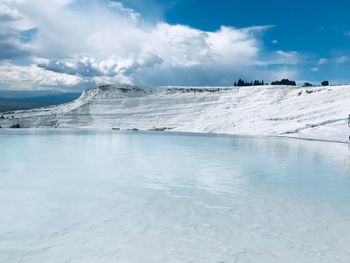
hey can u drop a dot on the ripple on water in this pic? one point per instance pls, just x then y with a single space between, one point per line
87 196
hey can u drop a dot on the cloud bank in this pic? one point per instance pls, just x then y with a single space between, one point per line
55 43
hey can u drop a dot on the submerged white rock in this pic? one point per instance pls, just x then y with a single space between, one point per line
314 113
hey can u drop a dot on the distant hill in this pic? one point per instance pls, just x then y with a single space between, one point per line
21 103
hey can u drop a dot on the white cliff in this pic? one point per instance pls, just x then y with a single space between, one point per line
313 113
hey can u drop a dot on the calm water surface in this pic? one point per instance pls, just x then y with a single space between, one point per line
96 196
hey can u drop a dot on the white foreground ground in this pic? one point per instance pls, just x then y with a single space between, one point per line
312 113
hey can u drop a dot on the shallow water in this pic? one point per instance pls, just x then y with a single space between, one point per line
97 196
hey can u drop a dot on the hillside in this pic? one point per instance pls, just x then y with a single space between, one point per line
314 113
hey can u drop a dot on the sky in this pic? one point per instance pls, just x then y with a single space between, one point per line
71 45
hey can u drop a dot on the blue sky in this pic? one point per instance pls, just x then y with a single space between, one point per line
315 29
74 44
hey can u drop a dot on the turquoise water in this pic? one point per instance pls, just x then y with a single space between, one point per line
97 196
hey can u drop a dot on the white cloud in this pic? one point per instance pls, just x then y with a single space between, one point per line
287 57
33 77
281 58
322 61
341 59
282 73
337 60
11 45
107 41
120 7
286 54
8 14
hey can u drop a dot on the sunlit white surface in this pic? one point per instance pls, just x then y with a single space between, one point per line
313 113
87 196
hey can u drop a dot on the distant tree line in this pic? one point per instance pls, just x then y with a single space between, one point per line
323 83
242 83
307 84
285 82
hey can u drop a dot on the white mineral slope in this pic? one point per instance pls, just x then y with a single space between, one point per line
314 113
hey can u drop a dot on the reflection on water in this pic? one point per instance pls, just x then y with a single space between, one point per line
87 196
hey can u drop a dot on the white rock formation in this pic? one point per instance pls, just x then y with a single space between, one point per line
313 113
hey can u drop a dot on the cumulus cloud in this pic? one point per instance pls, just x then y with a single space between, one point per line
88 67
11 43
22 77
84 68
105 41
8 14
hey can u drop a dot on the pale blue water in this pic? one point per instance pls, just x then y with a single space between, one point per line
97 196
